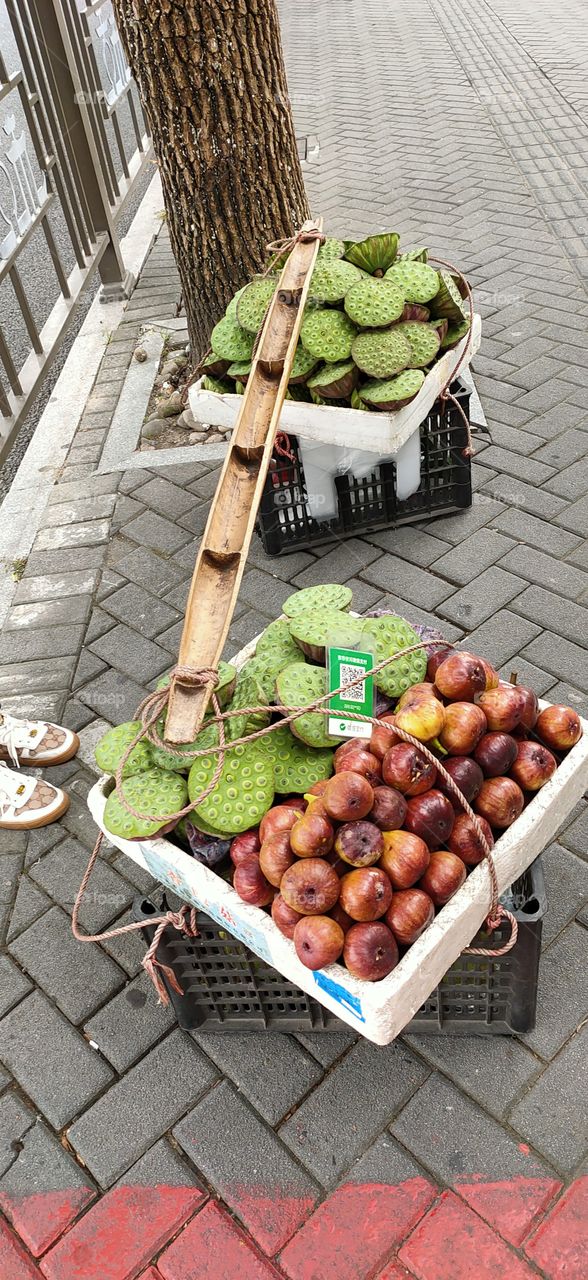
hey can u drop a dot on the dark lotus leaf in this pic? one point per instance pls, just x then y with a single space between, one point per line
454 334
415 311
441 326
415 255
214 367
375 254
448 301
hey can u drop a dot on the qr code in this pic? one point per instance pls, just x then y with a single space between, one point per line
355 693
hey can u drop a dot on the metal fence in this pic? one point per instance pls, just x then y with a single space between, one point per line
73 144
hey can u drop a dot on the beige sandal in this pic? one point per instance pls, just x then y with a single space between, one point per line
35 742
26 802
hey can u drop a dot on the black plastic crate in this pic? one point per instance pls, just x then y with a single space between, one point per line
228 988
284 522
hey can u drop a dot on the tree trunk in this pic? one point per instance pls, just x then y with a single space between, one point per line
212 80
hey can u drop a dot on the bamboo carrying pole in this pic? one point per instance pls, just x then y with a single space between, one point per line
229 528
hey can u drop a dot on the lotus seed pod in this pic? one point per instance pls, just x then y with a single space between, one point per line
448 301
220 387
231 311
328 335
248 693
414 255
277 638
423 340
441 326
178 759
374 304
213 367
415 311
381 353
335 381
393 394
264 670
296 765
357 401
254 301
375 254
243 793
298 685
302 366
111 747
156 791
330 595
229 341
331 249
419 282
454 334
240 370
299 393
389 635
314 630
331 280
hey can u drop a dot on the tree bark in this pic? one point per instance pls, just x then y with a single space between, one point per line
212 80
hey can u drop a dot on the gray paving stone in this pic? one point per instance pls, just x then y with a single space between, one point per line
89 666
250 1156
466 561
385 1163
285 567
538 502
546 571
87 507
141 880
13 841
75 716
49 643
80 489
66 560
13 985
56 586
411 544
31 677
49 613
566 880
566 695
168 499
10 869
194 522
140 610
532 375
126 509
355 1101
347 560
30 903
205 485
73 535
127 949
480 599
570 483
458 527
560 656
15 1121
141 1107
547 1116
50 1061
575 835
540 534
113 696
149 571
99 624
60 874
273 1072
133 654
527 674
458 1139
547 396
77 978
41 1166
561 994
41 840
245 628
130 1024
264 593
516 464
327 1046
567 448
553 612
152 530
575 517
409 581
491 1069
163 1166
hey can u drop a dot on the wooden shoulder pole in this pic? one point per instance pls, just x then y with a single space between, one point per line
231 519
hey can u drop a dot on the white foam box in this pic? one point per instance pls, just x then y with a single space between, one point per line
377 1010
380 433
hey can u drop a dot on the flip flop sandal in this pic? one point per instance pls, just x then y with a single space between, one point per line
35 742
27 802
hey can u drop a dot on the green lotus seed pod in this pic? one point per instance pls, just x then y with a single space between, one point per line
381 353
423 340
153 792
454 334
328 596
231 311
393 393
331 249
390 635
418 281
243 793
374 304
334 381
302 366
254 301
298 685
111 747
229 341
331 280
296 765
328 335
315 630
448 301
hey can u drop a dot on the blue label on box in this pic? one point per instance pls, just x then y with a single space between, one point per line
170 876
338 993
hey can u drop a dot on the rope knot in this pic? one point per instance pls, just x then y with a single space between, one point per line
196 677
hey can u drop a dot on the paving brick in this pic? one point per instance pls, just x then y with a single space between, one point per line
49 613
547 1115
491 1069
168 499
131 653
546 571
133 1221
13 985
152 530
559 655
575 834
547 396
44 1190
63 561
452 1241
516 464
344 561
561 992
99 624
264 593
327 1046
480 599
56 586
113 696
137 1110
212 1246
149 571
49 643
550 610
565 695
566 883
50 1061
140 610
538 533
537 372
460 1143
15 1120
538 502
367 1087
411 544
26 678
558 1246
86 507
456 528
60 874
354 1231
77 978
10 869
244 629
409 581
575 517
285 567
466 561
272 1072
251 1168
30 903
127 949
73 535
130 1024
15 1264
567 448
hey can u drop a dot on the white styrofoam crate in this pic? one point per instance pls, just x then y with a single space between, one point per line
381 433
378 1010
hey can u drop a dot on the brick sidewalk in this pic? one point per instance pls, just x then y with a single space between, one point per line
123 1140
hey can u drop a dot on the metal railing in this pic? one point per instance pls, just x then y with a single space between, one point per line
73 145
